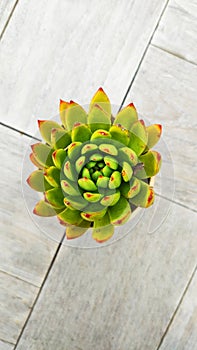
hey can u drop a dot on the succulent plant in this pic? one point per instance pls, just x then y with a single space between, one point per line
94 169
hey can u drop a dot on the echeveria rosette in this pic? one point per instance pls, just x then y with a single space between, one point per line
94 169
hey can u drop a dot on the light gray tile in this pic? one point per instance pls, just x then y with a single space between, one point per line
68 50
26 252
5 11
177 30
182 334
16 299
120 297
6 346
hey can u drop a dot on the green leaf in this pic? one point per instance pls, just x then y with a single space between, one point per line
126 117
81 133
89 147
138 137
52 175
92 215
92 197
98 119
145 197
60 138
55 197
80 162
69 170
115 180
130 189
87 184
59 157
120 212
102 229
128 155
74 114
37 181
71 217
110 199
75 202
154 133
152 164
111 163
120 134
127 171
74 150
42 154
109 149
46 127
76 231
44 209
69 187
101 99
101 134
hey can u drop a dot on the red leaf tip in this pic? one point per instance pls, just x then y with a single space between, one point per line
131 105
101 89
40 122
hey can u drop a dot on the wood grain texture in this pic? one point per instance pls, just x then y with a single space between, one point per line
67 50
5 10
26 252
120 297
182 334
177 31
16 299
6 346
165 91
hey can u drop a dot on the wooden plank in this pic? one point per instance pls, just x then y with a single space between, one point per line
6 346
177 30
182 334
26 252
165 91
5 11
68 50
118 297
16 299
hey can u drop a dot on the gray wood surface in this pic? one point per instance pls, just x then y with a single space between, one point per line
182 334
6 346
26 252
5 10
177 31
165 91
16 299
120 297
68 51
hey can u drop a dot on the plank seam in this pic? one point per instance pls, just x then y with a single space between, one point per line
173 54
144 54
19 278
6 342
177 309
175 202
8 20
39 292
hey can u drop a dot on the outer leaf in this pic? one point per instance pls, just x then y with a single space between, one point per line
88 148
102 229
145 197
126 117
71 217
60 138
42 154
101 134
62 108
46 127
92 215
120 212
81 133
37 181
130 189
98 119
120 134
58 157
109 149
111 199
55 198
76 231
152 164
44 209
70 188
128 155
75 114
75 202
100 98
154 132
74 150
138 137
52 175
69 170
35 162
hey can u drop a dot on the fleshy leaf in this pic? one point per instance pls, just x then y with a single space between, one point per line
111 163
130 189
127 171
69 170
62 109
75 114
120 134
102 229
44 209
92 197
80 162
89 147
58 157
152 164
77 231
138 137
37 181
107 171
115 180
102 181
71 217
109 149
120 212
69 187
101 134
92 215
42 154
111 199
126 117
74 150
87 184
35 162
60 138
145 197
55 198
100 98
154 132
81 133
128 155
46 127
75 202
52 175
98 119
